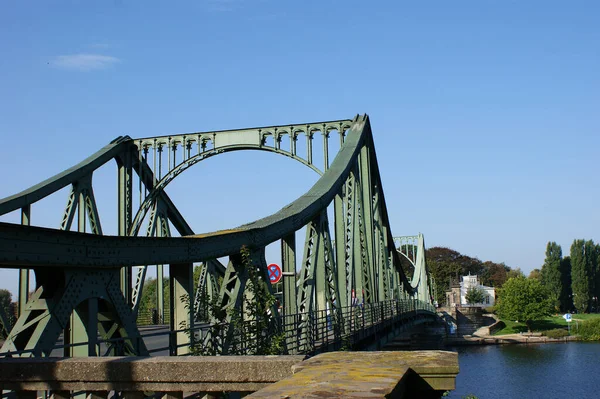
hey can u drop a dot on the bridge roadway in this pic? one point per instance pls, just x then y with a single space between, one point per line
155 337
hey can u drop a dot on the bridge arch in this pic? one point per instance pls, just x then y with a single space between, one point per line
193 160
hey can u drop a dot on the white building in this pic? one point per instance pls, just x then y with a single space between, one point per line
472 281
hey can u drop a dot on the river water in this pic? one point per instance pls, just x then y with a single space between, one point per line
565 370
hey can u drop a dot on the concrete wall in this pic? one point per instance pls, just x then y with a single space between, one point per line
470 319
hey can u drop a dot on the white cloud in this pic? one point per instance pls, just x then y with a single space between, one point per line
84 62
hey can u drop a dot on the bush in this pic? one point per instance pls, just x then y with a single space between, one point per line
588 330
556 333
490 309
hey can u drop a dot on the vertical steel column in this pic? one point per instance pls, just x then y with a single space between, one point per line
181 281
325 148
293 140
421 269
124 206
380 256
163 231
340 249
24 273
78 331
75 335
309 148
367 215
359 259
288 260
92 326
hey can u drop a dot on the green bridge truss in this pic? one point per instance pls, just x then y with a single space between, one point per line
88 283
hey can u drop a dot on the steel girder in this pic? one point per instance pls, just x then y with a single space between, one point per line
133 251
363 261
317 284
208 287
413 249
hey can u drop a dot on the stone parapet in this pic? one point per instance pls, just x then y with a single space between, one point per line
158 374
422 374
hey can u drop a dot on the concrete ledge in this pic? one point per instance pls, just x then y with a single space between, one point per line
163 374
506 340
369 375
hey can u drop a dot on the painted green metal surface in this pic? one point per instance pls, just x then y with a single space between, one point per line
361 266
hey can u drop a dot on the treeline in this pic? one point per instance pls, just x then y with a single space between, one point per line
573 281
445 263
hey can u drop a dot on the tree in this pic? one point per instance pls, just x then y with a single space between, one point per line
5 300
445 263
536 274
566 296
523 299
579 276
148 300
551 276
6 311
494 274
514 273
475 295
591 265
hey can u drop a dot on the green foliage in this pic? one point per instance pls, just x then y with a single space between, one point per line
535 274
514 273
551 273
523 299
580 276
588 330
446 263
556 333
254 328
256 324
591 264
7 310
494 274
475 295
566 295
547 323
149 298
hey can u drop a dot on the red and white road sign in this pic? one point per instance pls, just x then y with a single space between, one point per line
274 273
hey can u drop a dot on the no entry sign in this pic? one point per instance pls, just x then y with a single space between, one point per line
274 273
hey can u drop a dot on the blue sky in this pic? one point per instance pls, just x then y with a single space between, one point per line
485 113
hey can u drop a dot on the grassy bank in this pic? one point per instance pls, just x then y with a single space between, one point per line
548 323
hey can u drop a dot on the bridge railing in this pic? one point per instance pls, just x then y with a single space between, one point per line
342 328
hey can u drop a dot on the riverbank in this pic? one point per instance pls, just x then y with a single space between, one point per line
507 339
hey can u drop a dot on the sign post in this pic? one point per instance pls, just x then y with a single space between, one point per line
274 273
567 317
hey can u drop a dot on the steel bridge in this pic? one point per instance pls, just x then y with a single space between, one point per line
345 281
